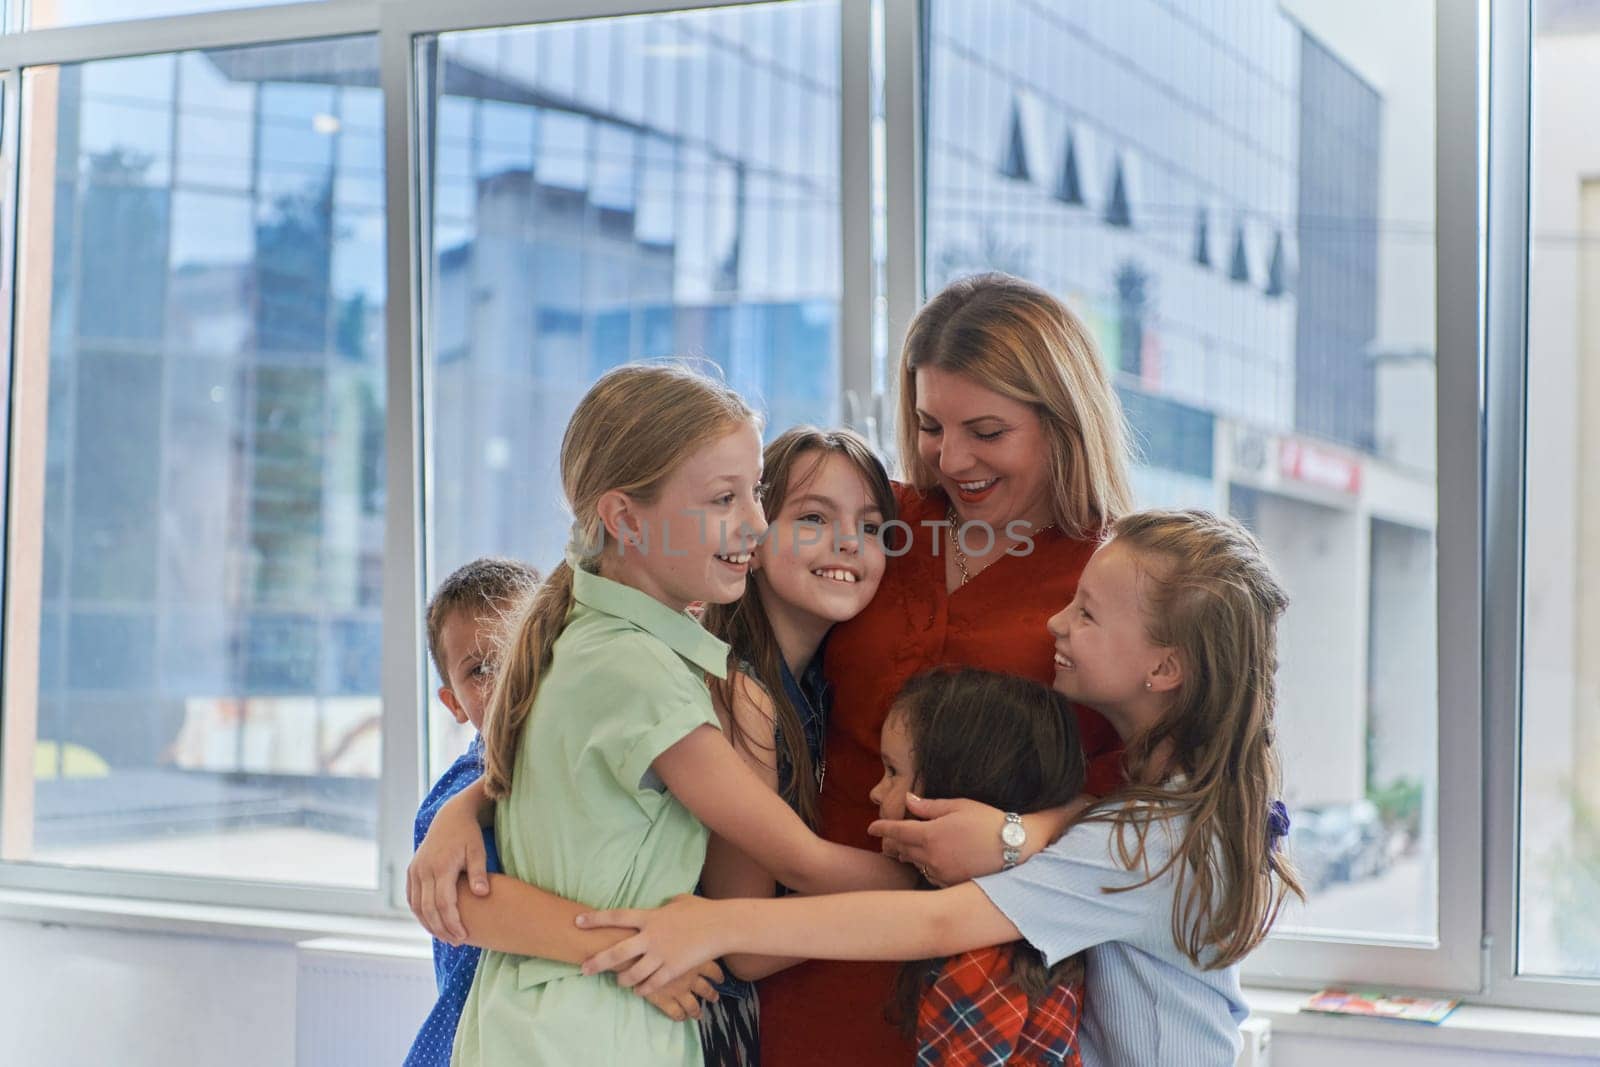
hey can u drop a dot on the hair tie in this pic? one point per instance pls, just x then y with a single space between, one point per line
1277 824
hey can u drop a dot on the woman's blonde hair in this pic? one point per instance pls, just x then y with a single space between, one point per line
1209 593
632 429
1016 339
788 463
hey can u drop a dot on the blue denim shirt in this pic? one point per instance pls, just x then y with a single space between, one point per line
453 965
811 696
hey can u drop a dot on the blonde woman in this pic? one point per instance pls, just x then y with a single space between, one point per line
1014 447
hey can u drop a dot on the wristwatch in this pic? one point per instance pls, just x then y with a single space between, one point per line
1012 837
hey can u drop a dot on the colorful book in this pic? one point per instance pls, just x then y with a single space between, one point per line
1368 1002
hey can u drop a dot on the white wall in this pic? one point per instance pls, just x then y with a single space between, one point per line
1320 555
1403 699
83 997
71 997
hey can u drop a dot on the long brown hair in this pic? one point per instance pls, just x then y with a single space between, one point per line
788 463
1001 740
1209 593
634 427
1014 338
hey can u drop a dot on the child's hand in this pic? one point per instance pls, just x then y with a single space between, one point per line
949 841
681 999
672 940
453 845
954 841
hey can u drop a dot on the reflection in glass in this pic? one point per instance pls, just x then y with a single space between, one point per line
1241 209
616 190
207 691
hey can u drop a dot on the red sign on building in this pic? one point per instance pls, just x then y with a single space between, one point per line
1322 467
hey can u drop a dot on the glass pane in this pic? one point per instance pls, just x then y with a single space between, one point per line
206 700
1559 909
42 14
1241 209
616 190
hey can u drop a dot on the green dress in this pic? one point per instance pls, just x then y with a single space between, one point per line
588 819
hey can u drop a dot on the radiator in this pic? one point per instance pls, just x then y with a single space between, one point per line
359 1004
1257 1034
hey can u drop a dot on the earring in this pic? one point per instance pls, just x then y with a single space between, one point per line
1147 685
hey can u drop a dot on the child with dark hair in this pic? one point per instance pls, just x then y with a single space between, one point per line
1011 743
464 621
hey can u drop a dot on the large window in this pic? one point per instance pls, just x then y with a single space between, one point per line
296 299
608 191
203 333
1241 209
1559 902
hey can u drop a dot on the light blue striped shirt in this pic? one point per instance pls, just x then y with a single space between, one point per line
1146 1004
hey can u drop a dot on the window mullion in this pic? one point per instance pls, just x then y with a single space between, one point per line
403 682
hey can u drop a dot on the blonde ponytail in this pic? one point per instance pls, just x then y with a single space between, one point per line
523 662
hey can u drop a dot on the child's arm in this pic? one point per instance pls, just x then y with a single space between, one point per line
729 871
454 843
525 920
709 779
847 926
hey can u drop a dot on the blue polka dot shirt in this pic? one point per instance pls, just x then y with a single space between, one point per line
453 966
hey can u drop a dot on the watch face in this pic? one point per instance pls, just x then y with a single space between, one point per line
1013 834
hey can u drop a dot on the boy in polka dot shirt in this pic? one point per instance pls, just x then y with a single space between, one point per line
464 620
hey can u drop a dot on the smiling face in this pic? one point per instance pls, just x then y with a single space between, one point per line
988 451
695 540
899 772
823 557
1103 654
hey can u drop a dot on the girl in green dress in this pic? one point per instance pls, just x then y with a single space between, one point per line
603 756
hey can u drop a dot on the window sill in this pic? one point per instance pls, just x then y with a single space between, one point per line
1470 1027
207 920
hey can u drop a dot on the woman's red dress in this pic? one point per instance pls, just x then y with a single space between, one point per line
830 1013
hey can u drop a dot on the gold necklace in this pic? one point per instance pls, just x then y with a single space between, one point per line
955 543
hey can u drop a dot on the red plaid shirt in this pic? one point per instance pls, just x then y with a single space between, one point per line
975 1015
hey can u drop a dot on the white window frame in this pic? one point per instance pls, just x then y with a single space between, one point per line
1482 256
1455 962
404 23
91 42
396 25
1508 232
